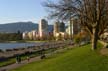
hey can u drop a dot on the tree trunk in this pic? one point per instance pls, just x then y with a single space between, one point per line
70 29
94 39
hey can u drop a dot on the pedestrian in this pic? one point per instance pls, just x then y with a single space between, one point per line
28 58
43 53
43 56
18 59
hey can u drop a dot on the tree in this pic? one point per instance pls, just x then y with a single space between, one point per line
77 39
93 14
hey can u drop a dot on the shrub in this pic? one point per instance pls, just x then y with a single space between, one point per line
77 39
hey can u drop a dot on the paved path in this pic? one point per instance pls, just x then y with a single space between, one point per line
15 65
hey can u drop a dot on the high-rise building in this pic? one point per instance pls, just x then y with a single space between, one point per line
75 27
59 30
43 28
61 27
56 28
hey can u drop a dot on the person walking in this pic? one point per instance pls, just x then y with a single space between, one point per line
18 59
43 53
28 58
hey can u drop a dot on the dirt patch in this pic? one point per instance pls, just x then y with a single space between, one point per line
104 51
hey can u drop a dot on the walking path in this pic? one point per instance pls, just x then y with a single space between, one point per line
15 65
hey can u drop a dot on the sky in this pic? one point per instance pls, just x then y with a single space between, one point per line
21 11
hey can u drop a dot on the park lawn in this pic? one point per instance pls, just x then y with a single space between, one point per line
8 62
77 59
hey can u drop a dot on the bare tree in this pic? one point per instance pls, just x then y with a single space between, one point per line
93 14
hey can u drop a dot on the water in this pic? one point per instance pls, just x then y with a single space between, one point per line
4 46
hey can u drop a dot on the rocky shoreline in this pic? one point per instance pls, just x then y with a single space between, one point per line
9 53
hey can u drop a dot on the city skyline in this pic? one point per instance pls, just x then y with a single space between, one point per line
21 11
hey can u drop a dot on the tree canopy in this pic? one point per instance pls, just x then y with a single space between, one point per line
93 14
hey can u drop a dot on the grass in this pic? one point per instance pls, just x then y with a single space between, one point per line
78 59
8 62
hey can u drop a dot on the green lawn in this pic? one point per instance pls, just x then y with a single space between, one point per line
77 59
8 62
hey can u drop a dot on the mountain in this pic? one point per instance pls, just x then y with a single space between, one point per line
20 26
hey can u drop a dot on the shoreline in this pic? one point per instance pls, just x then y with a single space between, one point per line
32 47
35 49
22 41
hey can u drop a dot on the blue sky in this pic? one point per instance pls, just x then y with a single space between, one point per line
21 10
